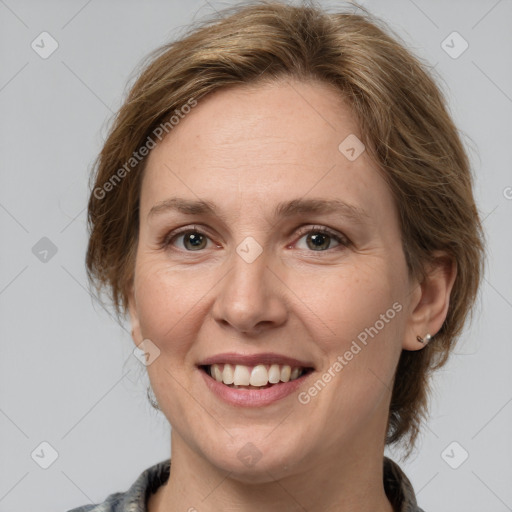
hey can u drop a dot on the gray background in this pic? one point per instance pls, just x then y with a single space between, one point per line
66 370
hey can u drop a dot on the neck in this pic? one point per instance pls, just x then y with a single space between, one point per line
348 479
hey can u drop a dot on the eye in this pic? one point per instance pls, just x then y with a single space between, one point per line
193 239
319 238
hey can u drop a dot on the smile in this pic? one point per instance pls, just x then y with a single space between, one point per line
253 377
253 380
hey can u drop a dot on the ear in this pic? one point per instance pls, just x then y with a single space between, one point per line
134 317
430 301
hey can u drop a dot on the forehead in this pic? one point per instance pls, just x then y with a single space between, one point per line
260 144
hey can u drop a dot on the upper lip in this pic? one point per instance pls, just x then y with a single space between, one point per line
254 359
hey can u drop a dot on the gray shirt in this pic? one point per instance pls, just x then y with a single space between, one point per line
397 486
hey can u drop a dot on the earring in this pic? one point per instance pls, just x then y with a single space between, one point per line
152 400
428 337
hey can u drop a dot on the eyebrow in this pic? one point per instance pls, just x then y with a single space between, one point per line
284 209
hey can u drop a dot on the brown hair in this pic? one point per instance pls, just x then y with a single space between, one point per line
404 124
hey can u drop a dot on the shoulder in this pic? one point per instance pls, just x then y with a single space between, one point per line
135 498
111 504
398 488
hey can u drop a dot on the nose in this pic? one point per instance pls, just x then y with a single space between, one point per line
251 298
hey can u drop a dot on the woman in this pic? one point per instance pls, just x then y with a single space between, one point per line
284 209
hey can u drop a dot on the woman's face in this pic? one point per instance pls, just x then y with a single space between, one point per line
254 280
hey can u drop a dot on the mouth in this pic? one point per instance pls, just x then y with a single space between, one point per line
253 380
256 376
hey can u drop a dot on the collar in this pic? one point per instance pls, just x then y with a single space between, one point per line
397 486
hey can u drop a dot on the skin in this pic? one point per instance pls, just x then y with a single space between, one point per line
246 149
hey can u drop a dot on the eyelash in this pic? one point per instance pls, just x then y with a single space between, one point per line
167 239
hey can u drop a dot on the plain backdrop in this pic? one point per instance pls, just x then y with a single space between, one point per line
67 374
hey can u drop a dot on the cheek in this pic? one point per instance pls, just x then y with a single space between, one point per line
356 322
339 304
166 303
360 347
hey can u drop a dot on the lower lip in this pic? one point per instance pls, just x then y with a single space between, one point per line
252 397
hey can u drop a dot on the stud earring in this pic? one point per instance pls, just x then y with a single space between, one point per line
428 337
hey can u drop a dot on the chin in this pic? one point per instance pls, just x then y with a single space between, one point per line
256 462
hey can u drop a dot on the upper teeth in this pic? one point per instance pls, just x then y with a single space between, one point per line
259 375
